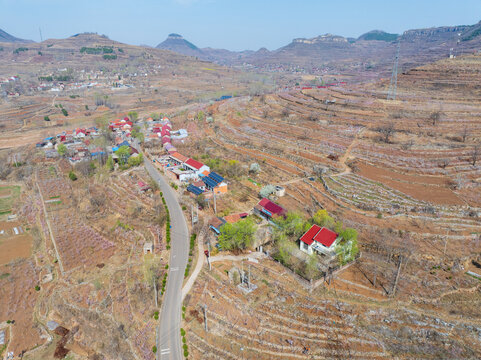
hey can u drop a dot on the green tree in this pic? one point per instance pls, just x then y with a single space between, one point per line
64 112
46 118
135 160
133 116
123 153
348 234
322 218
72 175
311 267
135 133
293 225
200 115
61 149
346 251
110 163
238 236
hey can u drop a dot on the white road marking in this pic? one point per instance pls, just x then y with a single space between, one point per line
174 269
164 351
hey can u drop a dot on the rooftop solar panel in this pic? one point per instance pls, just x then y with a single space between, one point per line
209 182
194 189
216 177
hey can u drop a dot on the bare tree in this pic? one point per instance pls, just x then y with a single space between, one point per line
387 131
464 134
312 117
434 117
443 163
475 154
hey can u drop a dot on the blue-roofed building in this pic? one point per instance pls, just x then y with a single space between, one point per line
215 224
194 190
216 177
209 183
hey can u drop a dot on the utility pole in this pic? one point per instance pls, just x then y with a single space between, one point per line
397 276
40 31
445 244
215 204
205 318
391 95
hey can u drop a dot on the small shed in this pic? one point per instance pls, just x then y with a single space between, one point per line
148 248
280 191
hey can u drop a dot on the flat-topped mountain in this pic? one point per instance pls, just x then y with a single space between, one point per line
373 50
178 44
378 35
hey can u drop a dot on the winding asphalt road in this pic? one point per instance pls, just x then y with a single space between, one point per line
168 341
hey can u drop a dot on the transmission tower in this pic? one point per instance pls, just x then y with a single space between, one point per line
391 94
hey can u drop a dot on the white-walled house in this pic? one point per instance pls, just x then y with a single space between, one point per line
321 240
197 166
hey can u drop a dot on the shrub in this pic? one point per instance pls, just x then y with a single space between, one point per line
72 175
182 332
64 112
46 118
154 349
37 288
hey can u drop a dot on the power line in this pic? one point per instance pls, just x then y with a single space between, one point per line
391 94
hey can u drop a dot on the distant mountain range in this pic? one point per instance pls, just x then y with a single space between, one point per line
7 38
373 50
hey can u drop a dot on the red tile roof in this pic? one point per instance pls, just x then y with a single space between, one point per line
273 208
326 237
308 237
195 164
199 184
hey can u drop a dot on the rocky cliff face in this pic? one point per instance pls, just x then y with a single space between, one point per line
326 38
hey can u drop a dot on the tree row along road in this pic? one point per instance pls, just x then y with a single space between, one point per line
168 341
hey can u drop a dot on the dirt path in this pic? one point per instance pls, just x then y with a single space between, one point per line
253 255
198 266
342 160
292 181
50 229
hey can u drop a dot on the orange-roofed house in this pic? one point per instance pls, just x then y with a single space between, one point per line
178 158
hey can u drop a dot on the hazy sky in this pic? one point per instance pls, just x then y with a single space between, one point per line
229 24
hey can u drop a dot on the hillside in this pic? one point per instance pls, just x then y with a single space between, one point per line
86 71
178 44
371 54
7 38
414 196
378 35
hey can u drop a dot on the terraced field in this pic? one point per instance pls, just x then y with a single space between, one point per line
404 173
280 319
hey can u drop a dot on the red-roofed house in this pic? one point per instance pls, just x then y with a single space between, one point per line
269 209
196 166
321 240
